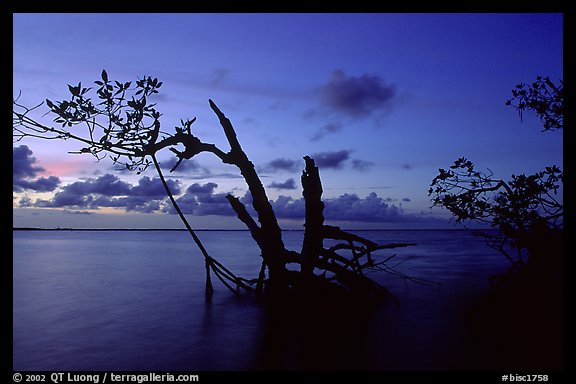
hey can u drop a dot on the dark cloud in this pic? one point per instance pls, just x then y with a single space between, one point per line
286 207
249 121
371 209
84 193
138 204
107 185
201 200
24 172
282 164
357 96
334 160
288 184
68 198
246 199
129 203
326 130
406 199
219 75
42 184
23 162
154 188
347 207
109 191
361 165
325 160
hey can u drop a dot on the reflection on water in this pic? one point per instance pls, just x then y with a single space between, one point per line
135 301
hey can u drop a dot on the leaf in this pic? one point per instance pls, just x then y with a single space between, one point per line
104 76
73 90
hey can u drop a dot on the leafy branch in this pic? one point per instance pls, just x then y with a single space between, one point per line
522 208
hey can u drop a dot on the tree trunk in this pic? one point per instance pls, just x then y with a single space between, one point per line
272 246
313 239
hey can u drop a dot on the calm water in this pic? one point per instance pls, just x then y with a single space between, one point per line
116 300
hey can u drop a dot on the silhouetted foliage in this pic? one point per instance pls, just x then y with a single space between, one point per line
525 210
523 310
123 124
543 97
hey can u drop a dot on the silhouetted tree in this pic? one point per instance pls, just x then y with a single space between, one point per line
543 97
122 123
525 211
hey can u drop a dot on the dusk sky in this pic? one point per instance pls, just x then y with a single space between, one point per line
381 101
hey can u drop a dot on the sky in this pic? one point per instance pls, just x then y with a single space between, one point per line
380 101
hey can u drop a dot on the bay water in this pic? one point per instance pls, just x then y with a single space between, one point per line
135 300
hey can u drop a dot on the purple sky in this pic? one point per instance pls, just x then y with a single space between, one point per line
381 101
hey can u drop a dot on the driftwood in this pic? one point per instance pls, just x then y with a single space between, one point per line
131 131
317 265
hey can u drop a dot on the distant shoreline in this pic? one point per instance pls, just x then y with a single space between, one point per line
223 230
119 229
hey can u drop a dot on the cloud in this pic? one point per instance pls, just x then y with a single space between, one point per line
154 188
129 203
137 203
288 184
328 129
361 165
281 164
24 172
219 75
356 96
333 160
107 185
22 162
286 207
325 160
42 184
346 207
202 191
201 200
352 208
109 191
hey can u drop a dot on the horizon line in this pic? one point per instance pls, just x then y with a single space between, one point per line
230 230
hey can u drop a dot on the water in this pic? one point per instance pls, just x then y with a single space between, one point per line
134 300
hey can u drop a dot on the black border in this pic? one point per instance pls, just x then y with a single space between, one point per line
551 6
